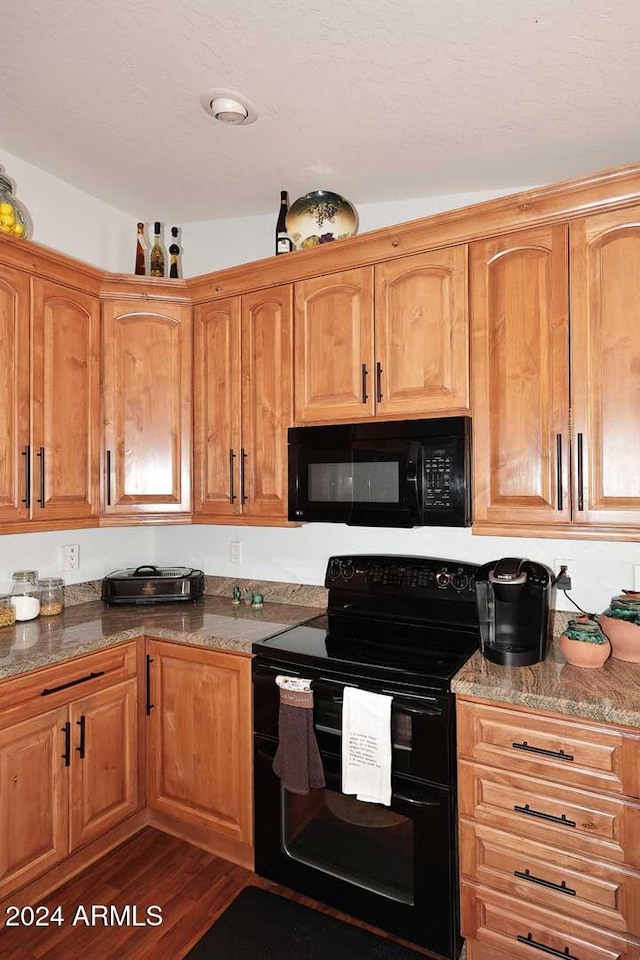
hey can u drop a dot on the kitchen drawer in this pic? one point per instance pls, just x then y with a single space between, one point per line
607 828
597 892
523 930
31 693
567 751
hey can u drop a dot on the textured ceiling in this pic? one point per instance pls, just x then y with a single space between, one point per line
376 99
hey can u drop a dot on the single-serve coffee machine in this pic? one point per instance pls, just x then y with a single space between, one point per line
513 598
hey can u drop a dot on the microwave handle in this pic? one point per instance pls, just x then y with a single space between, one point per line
414 474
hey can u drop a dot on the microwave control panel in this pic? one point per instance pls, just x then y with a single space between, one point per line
437 472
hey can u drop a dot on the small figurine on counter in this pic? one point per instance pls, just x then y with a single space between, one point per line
235 593
258 600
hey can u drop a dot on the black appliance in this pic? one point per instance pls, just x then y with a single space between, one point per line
402 626
405 473
150 584
513 609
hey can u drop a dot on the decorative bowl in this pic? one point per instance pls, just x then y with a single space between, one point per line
621 623
584 644
319 217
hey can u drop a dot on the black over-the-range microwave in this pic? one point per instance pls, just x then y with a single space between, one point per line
404 473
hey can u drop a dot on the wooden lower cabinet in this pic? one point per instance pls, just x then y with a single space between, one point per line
549 835
104 787
200 739
33 798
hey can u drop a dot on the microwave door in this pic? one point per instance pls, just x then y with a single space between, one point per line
385 484
323 489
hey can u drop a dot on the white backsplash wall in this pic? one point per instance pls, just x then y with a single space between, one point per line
101 551
71 221
299 555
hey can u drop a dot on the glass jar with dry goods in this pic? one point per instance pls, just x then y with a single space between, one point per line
7 611
51 596
25 595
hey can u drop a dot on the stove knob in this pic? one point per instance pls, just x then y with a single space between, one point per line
459 581
334 569
348 570
443 579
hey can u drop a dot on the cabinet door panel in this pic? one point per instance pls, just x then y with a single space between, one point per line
200 738
104 770
520 364
147 406
605 274
66 402
421 333
333 340
14 393
217 408
33 798
267 407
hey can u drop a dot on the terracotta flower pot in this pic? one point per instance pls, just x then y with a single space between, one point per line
583 654
624 637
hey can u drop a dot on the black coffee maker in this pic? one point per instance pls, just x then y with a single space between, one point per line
513 598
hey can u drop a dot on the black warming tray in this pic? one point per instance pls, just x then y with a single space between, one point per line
149 584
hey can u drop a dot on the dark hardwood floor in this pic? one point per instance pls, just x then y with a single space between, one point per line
191 887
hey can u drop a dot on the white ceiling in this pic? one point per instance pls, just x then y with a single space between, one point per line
376 99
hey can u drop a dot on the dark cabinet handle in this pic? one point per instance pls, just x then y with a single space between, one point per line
148 705
557 754
41 456
243 457
559 469
26 453
560 887
66 756
580 473
365 395
108 476
545 949
72 683
545 816
232 495
83 733
378 383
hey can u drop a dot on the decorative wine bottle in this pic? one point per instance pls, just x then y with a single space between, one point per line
156 257
174 254
141 252
284 243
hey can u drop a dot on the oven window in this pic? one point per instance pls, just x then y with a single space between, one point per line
362 843
355 482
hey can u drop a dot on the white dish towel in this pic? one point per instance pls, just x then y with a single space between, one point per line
366 745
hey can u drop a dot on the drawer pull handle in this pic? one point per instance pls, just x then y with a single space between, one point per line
72 683
558 754
545 949
560 887
545 816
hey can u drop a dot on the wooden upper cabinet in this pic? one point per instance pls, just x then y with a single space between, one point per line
520 364
267 400
334 359
421 334
65 402
605 284
217 408
14 395
147 390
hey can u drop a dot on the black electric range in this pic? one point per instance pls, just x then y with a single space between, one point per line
401 627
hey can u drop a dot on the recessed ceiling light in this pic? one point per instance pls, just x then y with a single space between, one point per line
227 106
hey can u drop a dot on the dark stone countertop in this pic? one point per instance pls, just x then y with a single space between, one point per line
610 694
211 622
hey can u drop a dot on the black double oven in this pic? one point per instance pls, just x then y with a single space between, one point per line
400 626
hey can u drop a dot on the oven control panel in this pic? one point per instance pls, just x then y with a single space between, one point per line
409 576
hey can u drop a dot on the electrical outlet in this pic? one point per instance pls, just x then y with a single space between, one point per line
235 551
564 581
71 557
636 576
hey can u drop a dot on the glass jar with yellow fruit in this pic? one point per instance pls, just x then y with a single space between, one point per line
13 218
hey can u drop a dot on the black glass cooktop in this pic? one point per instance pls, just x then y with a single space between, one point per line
413 652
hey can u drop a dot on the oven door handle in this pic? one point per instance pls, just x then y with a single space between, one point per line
423 804
416 711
